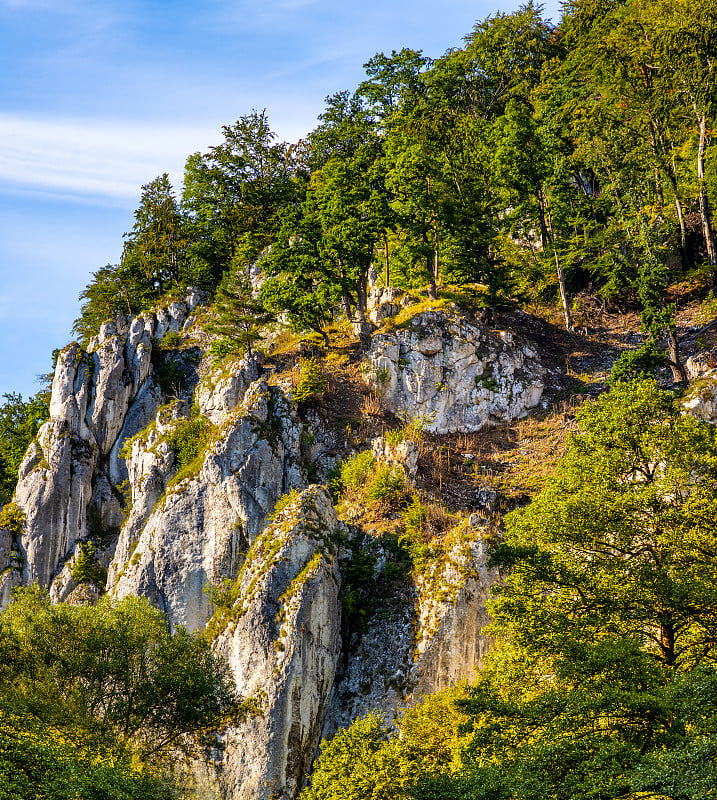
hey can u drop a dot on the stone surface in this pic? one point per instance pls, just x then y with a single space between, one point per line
386 302
431 640
453 374
283 647
180 539
100 398
10 566
701 363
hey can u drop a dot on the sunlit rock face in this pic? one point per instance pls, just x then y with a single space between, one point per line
282 640
182 538
100 397
454 373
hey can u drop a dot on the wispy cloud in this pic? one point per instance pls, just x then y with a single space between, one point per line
93 158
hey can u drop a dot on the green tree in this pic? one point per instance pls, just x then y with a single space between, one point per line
37 761
238 316
112 290
233 190
20 421
623 537
112 676
154 249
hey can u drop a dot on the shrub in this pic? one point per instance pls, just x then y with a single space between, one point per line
87 569
224 347
12 517
388 484
312 381
637 364
283 502
170 341
351 473
188 439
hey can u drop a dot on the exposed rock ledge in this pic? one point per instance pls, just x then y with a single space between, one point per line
454 373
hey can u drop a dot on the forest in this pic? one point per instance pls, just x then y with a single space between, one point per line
532 166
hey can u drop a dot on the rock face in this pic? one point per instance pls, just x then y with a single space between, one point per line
197 533
431 640
100 397
10 565
282 644
453 373
194 529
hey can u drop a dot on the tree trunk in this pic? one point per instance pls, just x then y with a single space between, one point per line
667 641
704 204
679 375
541 216
680 215
563 292
561 278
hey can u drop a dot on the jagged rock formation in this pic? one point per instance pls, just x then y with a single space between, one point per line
193 530
197 533
100 397
10 565
454 373
282 642
418 646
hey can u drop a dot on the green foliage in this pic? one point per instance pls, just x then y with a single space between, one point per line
353 471
171 340
312 381
87 569
189 439
359 762
638 364
285 500
112 678
387 484
12 517
238 316
38 761
19 423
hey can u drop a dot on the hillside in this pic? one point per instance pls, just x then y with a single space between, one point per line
400 438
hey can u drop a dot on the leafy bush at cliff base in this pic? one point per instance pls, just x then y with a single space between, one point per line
603 681
112 678
38 761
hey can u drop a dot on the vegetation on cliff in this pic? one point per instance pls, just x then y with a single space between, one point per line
529 163
602 683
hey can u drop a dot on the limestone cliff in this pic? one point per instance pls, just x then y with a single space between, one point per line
454 372
196 535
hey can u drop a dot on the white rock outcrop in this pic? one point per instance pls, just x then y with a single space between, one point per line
453 373
100 398
282 642
182 538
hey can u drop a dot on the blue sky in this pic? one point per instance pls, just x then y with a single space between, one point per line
98 97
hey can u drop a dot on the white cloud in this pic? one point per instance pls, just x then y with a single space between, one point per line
94 158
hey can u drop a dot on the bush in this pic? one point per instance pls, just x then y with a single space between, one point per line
350 473
12 517
87 569
388 485
312 381
283 502
637 364
189 439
